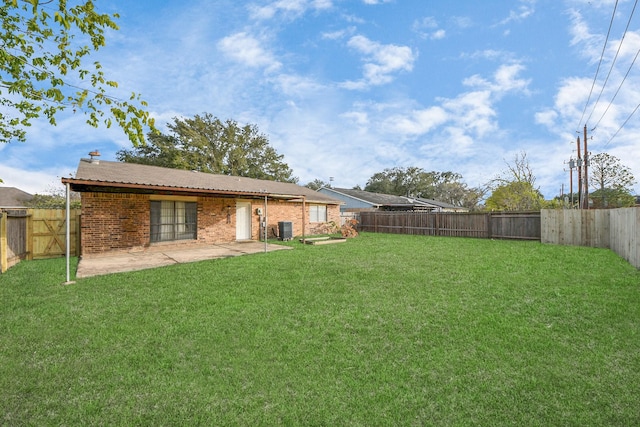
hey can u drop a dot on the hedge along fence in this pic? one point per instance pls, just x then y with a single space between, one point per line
36 234
615 229
489 225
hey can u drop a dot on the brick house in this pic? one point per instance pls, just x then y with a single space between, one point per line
132 207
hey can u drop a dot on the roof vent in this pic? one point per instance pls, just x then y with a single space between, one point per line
93 155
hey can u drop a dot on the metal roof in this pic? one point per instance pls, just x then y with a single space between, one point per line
99 173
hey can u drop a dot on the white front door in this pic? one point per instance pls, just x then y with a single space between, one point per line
243 220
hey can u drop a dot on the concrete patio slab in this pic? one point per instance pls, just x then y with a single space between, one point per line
133 261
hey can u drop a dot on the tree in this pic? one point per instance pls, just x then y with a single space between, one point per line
206 144
398 181
54 198
514 189
518 171
611 180
416 182
515 196
44 46
317 184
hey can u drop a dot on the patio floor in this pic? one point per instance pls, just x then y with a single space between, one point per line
132 261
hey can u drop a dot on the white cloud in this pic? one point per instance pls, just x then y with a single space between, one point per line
439 34
34 182
547 118
462 21
247 50
359 118
417 122
591 44
474 112
381 61
287 8
488 54
427 28
526 9
339 34
298 86
505 80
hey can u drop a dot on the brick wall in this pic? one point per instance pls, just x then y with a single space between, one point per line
278 210
121 222
114 222
216 220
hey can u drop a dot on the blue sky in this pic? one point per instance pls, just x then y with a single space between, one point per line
347 88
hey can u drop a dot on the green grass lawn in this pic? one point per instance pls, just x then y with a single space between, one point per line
380 330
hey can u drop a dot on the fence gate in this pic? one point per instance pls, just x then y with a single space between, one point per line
49 232
13 238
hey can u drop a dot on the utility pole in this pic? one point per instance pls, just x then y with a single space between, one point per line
572 165
579 166
586 174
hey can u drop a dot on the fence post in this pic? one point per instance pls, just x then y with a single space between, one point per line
29 227
4 264
78 224
489 220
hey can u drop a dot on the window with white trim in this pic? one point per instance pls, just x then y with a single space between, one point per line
173 220
317 213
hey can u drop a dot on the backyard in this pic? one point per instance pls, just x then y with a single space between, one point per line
380 330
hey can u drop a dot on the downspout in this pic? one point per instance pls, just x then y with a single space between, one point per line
265 224
304 218
68 234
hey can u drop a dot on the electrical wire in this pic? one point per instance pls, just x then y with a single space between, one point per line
622 125
613 63
618 90
595 78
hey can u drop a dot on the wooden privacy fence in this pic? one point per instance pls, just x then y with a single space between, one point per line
489 225
36 234
615 229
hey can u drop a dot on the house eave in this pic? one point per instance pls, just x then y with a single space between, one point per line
81 186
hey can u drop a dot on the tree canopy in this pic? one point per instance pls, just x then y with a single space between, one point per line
611 180
317 184
207 144
514 189
54 198
446 187
45 45
515 196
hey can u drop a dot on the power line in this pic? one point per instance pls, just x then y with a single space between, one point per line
621 126
599 63
613 63
618 90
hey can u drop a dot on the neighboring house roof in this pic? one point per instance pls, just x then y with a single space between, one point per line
440 204
375 199
378 200
11 197
94 175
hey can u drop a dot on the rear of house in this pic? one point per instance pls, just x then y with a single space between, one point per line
132 207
